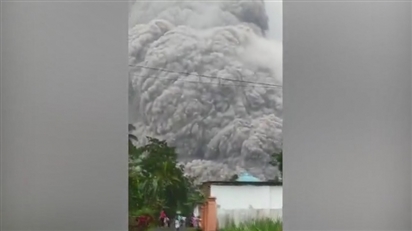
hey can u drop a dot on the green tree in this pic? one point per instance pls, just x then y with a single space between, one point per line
156 181
195 196
277 161
234 177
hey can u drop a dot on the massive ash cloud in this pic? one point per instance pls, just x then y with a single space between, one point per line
219 127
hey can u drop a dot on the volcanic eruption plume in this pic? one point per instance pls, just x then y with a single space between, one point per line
204 77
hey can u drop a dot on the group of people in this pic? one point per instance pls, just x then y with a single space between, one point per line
179 221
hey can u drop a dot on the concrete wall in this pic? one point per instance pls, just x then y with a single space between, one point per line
242 203
230 197
225 216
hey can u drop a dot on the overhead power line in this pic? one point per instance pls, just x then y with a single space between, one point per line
211 83
209 77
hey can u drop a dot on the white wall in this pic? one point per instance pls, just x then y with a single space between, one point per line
245 197
241 203
276 197
238 216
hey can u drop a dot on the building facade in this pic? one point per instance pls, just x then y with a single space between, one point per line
245 199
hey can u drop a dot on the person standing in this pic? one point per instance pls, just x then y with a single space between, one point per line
167 221
162 218
177 223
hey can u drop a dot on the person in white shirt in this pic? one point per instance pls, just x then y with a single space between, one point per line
177 223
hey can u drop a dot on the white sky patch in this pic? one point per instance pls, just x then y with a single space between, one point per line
274 10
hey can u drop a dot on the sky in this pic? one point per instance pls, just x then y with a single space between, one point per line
274 12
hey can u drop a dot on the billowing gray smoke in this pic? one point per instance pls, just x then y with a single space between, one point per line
182 54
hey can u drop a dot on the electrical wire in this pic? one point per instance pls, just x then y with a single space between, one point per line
209 77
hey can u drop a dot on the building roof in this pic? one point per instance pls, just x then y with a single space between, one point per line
246 177
242 183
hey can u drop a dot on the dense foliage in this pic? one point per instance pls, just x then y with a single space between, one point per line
157 182
277 160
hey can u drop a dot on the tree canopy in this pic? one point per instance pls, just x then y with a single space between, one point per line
156 181
277 160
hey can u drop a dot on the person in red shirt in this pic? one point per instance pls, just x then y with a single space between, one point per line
162 218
